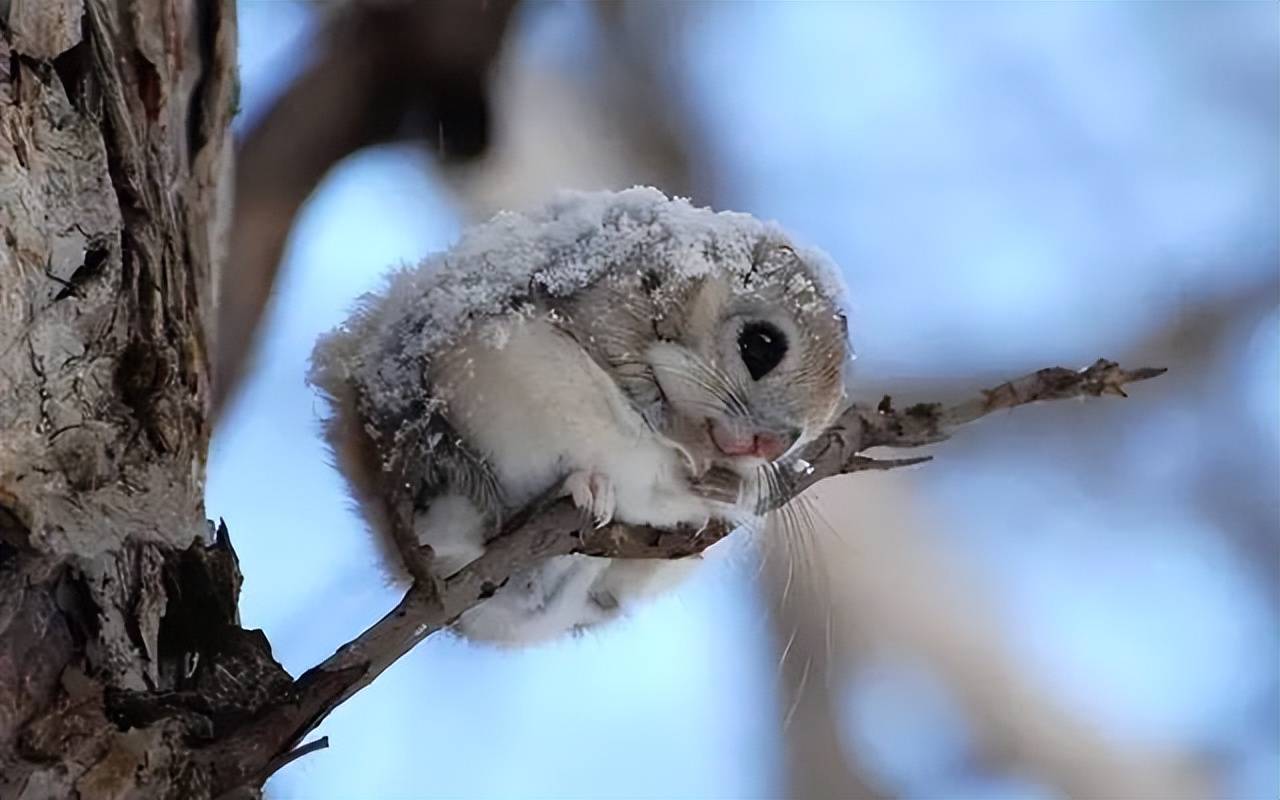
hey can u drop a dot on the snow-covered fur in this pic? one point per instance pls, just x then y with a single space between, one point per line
617 344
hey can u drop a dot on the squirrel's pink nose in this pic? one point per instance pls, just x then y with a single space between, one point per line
770 445
765 444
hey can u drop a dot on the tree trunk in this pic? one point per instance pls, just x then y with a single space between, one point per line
114 143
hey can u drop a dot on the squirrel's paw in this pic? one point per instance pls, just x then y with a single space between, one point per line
593 493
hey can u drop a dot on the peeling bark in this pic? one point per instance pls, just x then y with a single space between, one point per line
113 134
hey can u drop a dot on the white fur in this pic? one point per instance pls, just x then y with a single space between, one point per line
534 404
539 604
531 401
454 528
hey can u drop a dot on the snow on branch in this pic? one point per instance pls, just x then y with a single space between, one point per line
553 526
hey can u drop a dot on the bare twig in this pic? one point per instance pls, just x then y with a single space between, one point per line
552 527
861 427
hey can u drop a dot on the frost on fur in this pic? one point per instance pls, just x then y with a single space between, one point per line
593 345
387 344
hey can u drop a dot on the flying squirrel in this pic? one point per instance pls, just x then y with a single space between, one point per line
615 344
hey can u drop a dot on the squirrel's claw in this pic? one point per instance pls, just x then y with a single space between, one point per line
592 492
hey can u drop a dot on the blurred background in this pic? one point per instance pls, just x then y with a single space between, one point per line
1080 599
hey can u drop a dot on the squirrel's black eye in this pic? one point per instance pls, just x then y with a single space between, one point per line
762 347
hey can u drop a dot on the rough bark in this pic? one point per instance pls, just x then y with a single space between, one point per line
113 135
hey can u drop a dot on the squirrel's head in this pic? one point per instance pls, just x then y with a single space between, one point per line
751 367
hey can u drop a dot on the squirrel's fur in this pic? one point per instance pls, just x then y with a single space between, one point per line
619 344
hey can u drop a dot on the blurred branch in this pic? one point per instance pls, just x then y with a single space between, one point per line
558 123
814 662
893 589
384 71
1235 484
553 527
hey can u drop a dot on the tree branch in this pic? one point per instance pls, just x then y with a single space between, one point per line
553 527
861 428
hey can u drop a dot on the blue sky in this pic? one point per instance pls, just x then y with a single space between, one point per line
1006 186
